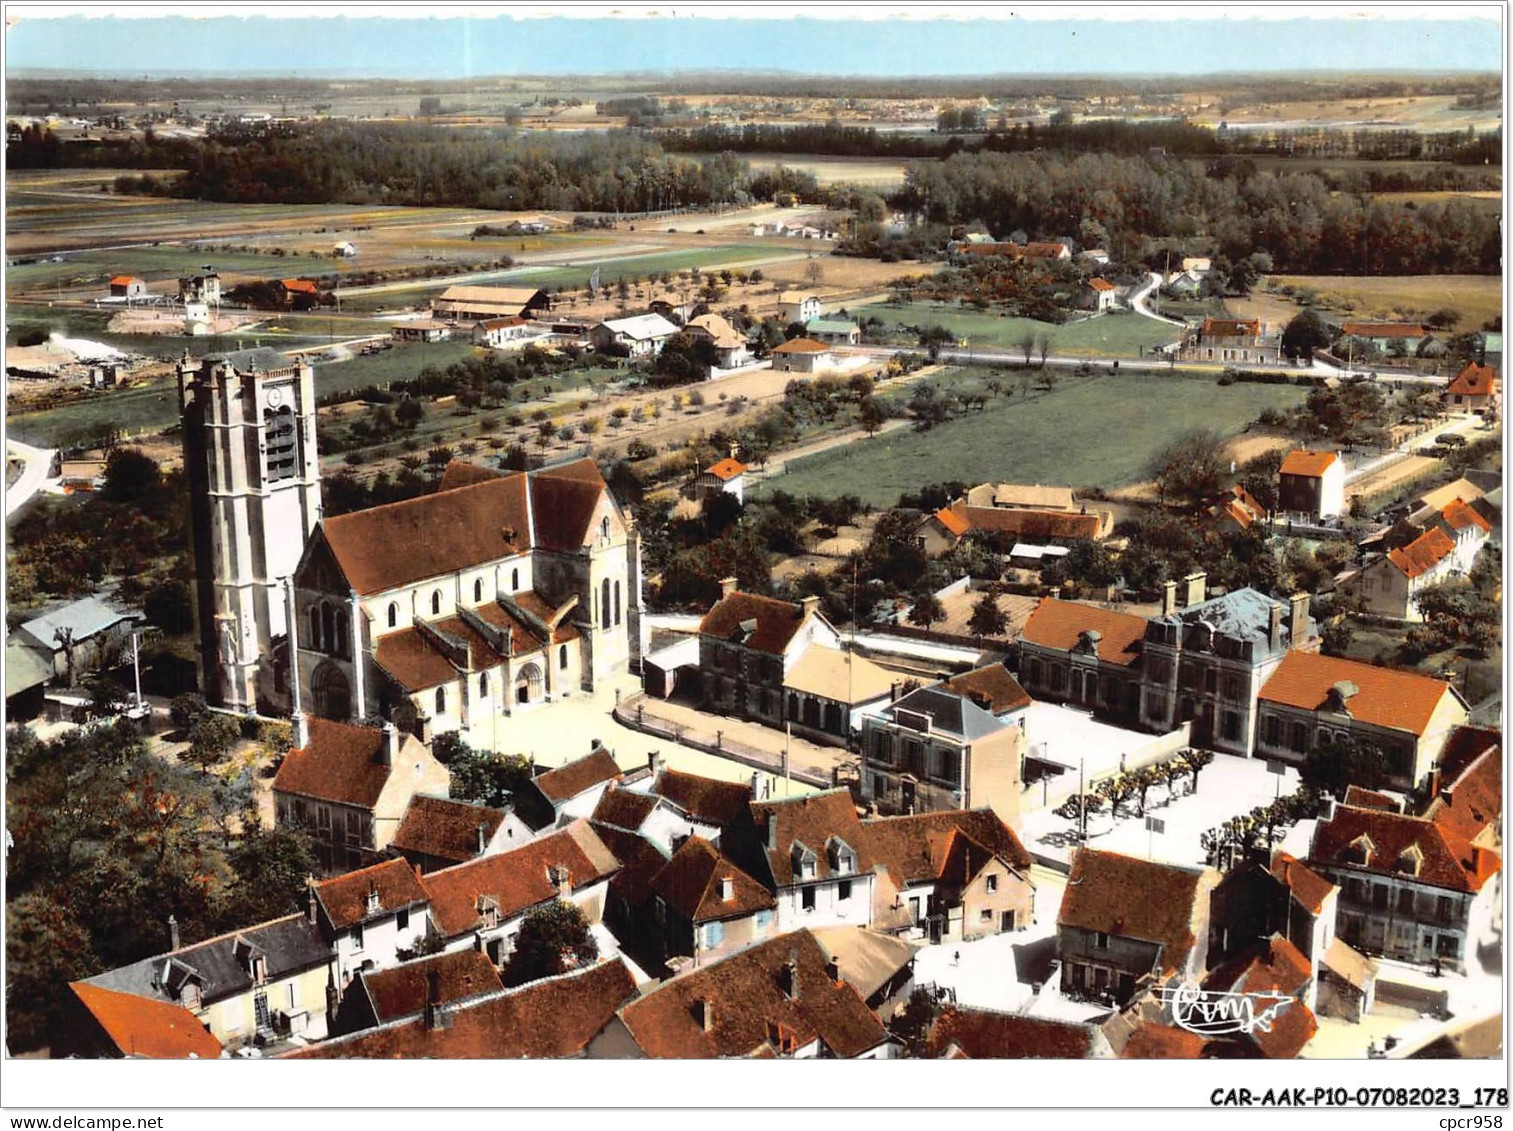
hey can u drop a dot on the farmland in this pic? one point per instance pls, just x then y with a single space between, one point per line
883 173
1095 431
1110 335
1477 297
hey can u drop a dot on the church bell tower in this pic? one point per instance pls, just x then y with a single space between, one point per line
254 486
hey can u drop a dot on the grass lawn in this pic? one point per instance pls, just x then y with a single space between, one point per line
397 364
1477 297
90 268
134 411
1110 335
1096 431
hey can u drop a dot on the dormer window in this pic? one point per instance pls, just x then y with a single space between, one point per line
1360 850
804 862
727 889
842 859
1410 860
488 912
372 905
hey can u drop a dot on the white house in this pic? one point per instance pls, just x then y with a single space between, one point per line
797 306
815 857
374 917
643 334
501 333
1312 483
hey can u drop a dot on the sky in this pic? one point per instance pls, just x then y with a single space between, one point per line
839 41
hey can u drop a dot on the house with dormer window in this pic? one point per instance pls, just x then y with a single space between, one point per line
375 917
707 907
811 853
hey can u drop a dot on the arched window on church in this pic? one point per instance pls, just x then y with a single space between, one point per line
314 641
514 581
478 589
327 628
393 614
483 685
436 603
604 528
341 633
604 603
617 603
441 700
562 656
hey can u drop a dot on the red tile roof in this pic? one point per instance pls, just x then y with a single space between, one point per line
433 535
1371 799
1101 285
402 991
623 808
1045 250
1277 967
1471 801
802 345
1423 553
410 657
749 1011
776 621
517 880
551 1018
1463 747
1384 330
640 861
124 280
1021 522
726 469
1308 887
578 776
345 898
692 882
340 763
706 800
983 1034
563 501
1121 895
1060 624
143 1027
1472 381
1460 515
461 473
1446 858
918 848
1308 464
1386 697
811 821
445 829
1231 327
991 686
957 524
300 286
1163 1042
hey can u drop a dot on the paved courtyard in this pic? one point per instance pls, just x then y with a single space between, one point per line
1227 787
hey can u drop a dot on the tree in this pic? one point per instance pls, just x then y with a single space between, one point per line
1194 760
871 414
1191 467
488 779
187 709
553 939
211 738
46 948
271 867
1305 333
1042 348
409 412
987 618
1027 345
927 610
131 476
912 1023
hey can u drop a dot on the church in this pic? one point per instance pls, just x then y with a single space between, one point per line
497 593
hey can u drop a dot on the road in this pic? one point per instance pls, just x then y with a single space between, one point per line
1137 302
1413 447
34 474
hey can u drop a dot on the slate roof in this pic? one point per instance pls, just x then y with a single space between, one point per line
776 621
263 359
1386 697
344 898
1060 624
985 1034
140 1027
917 848
517 880
750 1012
950 713
1244 614
692 880
445 829
340 763
85 617
1132 898
290 946
542 1020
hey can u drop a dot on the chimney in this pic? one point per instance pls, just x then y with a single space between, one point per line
389 748
1432 786
437 1015
810 605
310 899
1169 599
833 970
654 762
756 785
788 976
173 933
1299 625
563 880
703 1013
727 586
772 830
300 726
1054 592
727 889
483 838
1276 628
1197 588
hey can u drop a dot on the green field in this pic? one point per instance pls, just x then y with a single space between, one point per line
1097 431
1110 335
134 411
95 268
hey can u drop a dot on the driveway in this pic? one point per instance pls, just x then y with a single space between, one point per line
1138 302
37 462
